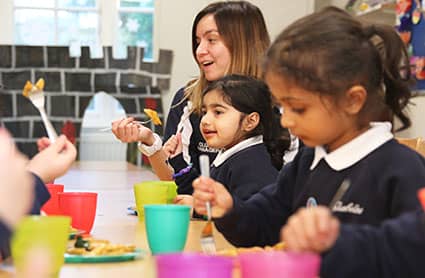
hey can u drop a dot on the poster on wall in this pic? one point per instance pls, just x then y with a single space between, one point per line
411 27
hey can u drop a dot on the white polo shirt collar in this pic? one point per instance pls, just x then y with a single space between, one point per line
222 156
355 150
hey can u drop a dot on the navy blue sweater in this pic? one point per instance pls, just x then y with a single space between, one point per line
244 173
395 249
197 144
41 196
383 185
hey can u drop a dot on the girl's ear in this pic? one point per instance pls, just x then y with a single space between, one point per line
251 121
355 98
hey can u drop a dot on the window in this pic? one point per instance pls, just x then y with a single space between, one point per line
80 22
135 24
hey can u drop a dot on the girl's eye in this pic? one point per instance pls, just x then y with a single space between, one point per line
203 112
280 108
298 110
218 112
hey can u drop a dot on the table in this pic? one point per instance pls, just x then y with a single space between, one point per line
113 181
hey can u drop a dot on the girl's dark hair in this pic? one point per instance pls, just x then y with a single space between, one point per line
328 52
247 95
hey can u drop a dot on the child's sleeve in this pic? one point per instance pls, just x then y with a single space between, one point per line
5 234
394 249
257 221
184 174
404 182
41 194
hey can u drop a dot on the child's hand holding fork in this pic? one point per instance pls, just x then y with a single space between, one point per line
207 189
312 229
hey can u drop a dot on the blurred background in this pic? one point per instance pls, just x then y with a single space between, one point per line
136 51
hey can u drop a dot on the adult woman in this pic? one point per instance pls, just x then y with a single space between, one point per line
227 37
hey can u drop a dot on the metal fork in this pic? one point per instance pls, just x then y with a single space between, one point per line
207 239
136 122
36 96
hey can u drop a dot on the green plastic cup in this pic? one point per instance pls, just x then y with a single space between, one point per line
150 192
166 227
48 234
172 191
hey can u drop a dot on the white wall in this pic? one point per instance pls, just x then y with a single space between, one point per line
415 112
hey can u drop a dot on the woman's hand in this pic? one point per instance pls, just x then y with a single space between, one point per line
128 131
312 229
206 189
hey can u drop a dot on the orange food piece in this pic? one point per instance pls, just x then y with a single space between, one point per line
29 87
152 114
40 84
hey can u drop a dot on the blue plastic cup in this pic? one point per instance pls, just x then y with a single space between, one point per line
166 227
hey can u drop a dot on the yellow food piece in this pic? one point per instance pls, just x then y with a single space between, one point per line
233 252
152 114
40 84
100 247
363 7
27 89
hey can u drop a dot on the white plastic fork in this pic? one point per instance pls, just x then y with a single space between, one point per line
37 99
136 122
207 239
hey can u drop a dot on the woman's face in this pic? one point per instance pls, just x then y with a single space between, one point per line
212 54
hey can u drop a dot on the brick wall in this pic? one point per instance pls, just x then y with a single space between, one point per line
70 84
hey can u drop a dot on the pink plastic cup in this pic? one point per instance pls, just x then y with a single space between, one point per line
51 207
279 264
183 265
81 206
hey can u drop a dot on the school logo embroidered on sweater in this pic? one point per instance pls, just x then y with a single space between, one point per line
348 208
203 147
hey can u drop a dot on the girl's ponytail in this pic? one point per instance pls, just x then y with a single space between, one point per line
395 70
276 138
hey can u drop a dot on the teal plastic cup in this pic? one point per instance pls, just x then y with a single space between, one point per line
166 227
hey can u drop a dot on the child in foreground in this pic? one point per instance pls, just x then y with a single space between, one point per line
340 83
394 249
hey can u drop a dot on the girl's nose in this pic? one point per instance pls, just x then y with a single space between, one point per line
286 121
205 120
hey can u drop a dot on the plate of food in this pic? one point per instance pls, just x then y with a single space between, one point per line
73 233
89 250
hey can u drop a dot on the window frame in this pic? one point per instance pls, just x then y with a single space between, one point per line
108 15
